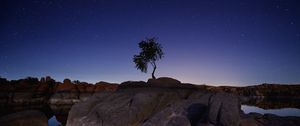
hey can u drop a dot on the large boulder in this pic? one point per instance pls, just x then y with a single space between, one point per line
181 113
25 118
199 109
224 109
155 106
133 84
128 108
164 82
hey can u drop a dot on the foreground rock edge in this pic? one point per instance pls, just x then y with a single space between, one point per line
166 105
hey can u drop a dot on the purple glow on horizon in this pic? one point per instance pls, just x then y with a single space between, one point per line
212 42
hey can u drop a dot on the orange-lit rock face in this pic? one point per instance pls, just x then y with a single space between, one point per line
42 88
66 86
70 93
90 88
81 87
104 86
85 87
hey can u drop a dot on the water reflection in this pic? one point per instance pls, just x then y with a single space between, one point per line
273 102
61 112
53 122
281 112
57 114
282 106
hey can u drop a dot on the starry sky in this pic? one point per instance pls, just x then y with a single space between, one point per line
232 42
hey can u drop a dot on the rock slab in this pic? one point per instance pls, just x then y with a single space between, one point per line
159 106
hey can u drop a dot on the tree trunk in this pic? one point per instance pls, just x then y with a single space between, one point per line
154 68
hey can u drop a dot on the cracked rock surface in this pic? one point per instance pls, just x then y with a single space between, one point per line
149 105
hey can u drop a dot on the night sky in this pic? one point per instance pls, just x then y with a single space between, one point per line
220 42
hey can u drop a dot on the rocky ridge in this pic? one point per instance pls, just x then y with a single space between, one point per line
160 102
167 101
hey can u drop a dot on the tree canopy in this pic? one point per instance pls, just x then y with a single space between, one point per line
151 51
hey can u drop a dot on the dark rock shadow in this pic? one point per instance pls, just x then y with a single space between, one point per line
196 113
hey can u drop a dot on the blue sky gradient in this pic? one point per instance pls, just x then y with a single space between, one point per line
209 41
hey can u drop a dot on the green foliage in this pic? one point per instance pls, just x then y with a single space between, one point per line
151 51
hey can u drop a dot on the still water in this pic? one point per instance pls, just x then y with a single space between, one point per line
281 112
53 122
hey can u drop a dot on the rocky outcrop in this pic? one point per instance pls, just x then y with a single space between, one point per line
25 118
85 90
256 119
267 96
204 109
65 93
105 86
33 94
223 109
164 82
133 84
163 101
31 91
263 90
70 93
153 105
28 91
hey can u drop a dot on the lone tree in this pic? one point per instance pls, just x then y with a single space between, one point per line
151 51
